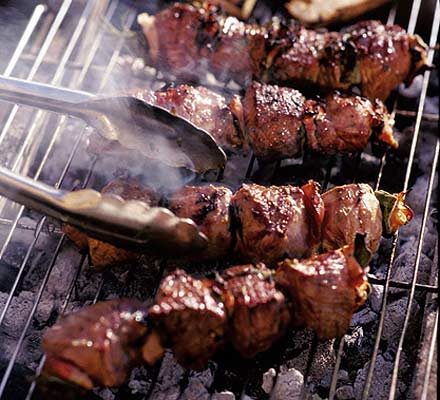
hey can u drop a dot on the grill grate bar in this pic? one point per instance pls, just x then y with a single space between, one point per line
433 36
33 21
36 237
415 274
38 61
430 360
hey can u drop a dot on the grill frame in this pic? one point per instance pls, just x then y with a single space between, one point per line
44 26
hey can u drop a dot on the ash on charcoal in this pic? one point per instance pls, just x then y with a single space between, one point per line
322 366
380 385
168 381
138 381
403 267
268 380
394 317
17 313
198 385
345 392
375 298
223 396
363 317
289 385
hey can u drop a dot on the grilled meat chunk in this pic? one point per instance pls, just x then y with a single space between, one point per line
103 254
186 41
273 120
276 222
208 207
325 290
258 314
175 36
190 317
375 57
341 124
201 106
98 345
385 56
238 51
351 210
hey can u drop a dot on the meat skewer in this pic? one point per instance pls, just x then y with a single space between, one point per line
187 41
248 307
268 224
278 122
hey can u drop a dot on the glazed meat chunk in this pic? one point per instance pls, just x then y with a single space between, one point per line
174 40
273 120
190 318
238 51
386 56
341 124
277 221
324 290
205 109
258 314
208 207
98 345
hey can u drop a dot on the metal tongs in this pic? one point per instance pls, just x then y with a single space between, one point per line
128 224
137 125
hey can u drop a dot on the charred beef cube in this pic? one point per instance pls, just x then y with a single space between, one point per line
273 119
324 290
351 210
384 56
104 254
208 207
238 52
258 314
345 124
205 109
178 38
190 318
98 345
294 55
276 222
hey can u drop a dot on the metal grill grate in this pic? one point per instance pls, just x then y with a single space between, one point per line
75 44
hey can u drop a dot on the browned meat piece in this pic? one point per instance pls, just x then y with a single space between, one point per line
273 120
238 51
175 37
275 222
76 236
103 254
204 108
258 314
190 318
346 123
294 54
351 210
373 56
98 345
325 290
370 55
386 56
208 207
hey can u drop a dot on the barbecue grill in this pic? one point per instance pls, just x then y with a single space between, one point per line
90 46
